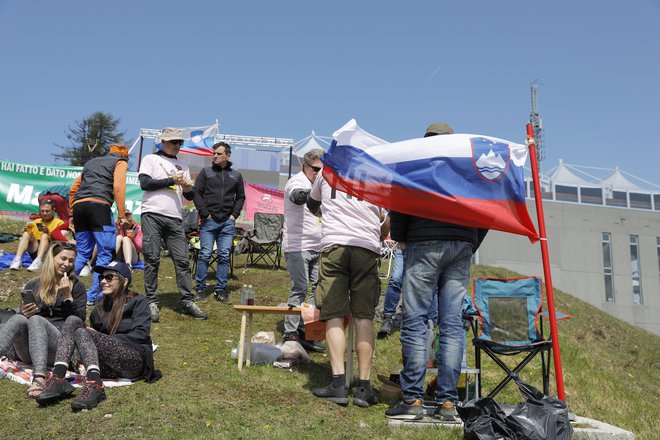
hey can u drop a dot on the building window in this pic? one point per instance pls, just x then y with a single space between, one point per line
607 267
635 269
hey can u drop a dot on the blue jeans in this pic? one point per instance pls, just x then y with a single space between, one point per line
393 291
428 265
221 234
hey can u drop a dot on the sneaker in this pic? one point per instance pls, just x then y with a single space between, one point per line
385 327
290 337
364 397
201 296
86 271
406 411
192 309
155 313
35 266
312 345
338 395
55 388
221 296
16 264
447 413
92 394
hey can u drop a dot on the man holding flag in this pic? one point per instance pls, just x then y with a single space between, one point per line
438 254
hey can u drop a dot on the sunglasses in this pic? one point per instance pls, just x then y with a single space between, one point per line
109 277
315 169
176 142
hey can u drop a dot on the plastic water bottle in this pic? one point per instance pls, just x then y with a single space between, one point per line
264 353
244 295
250 299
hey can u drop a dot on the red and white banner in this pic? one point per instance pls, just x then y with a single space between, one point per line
262 199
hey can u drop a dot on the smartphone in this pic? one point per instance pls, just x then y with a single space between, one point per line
28 297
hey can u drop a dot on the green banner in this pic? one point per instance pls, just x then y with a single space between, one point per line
21 184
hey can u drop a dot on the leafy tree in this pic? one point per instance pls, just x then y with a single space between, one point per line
89 138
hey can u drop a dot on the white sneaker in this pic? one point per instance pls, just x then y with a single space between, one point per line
35 266
16 264
86 271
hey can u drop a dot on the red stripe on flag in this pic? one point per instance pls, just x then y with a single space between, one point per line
502 215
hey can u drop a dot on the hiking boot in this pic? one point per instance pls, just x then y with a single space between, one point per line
315 346
55 388
92 394
338 395
290 337
155 313
16 264
221 296
364 397
406 410
86 271
192 309
201 296
35 266
447 413
385 327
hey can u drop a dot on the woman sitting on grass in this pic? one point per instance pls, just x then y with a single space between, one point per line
35 331
129 240
116 345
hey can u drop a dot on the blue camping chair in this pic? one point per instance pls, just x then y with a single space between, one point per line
509 312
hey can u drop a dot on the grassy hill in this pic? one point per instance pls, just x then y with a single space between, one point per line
611 369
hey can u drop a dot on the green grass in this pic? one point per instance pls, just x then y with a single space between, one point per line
611 370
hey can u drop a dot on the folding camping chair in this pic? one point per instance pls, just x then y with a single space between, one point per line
265 239
509 314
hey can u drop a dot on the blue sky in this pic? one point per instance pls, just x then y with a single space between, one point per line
285 68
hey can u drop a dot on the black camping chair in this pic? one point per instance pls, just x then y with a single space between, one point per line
264 241
191 229
510 312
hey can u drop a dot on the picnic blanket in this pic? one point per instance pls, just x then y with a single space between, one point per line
22 373
6 259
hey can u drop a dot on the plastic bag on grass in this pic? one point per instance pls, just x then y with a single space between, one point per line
484 420
259 353
292 350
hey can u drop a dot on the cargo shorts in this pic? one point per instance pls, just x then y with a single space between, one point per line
348 283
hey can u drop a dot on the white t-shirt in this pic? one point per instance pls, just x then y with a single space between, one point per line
164 201
302 229
346 220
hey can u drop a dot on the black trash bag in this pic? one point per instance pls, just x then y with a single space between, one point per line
484 420
541 417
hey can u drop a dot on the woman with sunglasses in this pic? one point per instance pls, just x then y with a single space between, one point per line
116 345
47 302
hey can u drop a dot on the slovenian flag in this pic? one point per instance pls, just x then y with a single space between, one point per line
466 179
198 140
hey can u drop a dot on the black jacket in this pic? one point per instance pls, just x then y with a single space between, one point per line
219 192
61 310
134 330
407 228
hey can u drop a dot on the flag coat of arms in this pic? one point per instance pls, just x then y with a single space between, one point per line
466 179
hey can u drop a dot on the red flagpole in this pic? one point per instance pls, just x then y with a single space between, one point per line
556 353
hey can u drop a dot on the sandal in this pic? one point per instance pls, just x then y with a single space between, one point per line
37 386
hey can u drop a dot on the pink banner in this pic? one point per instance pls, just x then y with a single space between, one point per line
262 199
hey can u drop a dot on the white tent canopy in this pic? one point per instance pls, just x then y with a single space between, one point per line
617 180
309 143
562 174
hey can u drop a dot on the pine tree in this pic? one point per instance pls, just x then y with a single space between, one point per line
89 138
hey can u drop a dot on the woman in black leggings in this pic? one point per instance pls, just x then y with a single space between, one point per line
116 345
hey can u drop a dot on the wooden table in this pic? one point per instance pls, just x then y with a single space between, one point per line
246 326
246 329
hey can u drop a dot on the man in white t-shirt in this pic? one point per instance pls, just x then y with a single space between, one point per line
348 284
164 179
301 243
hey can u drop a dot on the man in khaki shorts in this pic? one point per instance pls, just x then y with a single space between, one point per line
348 284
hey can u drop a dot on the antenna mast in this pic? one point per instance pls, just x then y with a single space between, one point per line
537 124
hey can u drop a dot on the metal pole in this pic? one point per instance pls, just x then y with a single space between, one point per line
556 353
140 153
290 159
